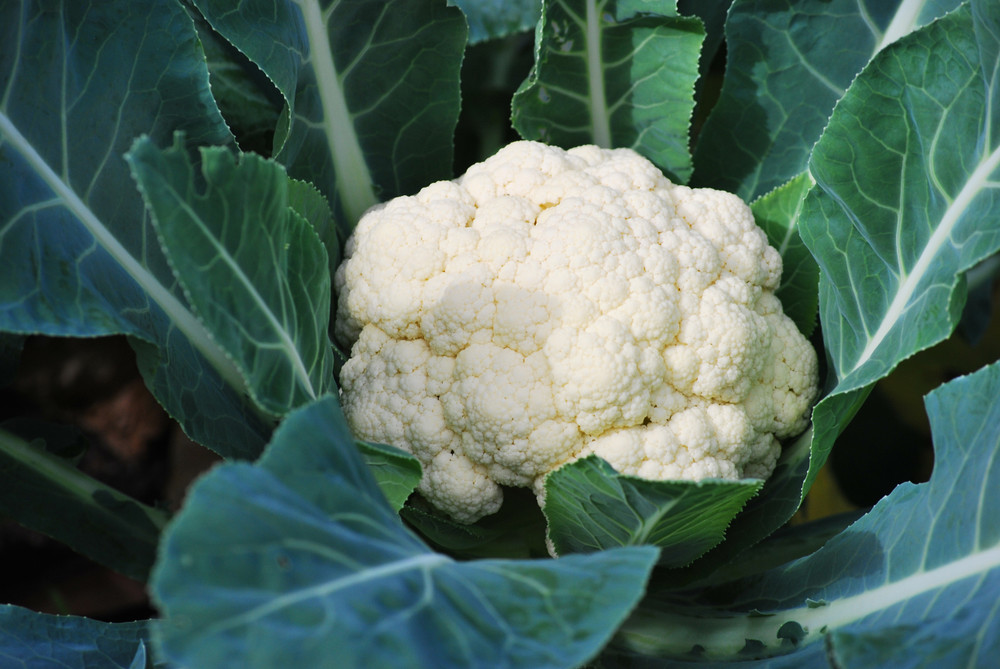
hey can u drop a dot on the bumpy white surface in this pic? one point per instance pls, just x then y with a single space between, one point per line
551 304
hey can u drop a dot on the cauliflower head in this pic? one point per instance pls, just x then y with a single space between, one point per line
553 304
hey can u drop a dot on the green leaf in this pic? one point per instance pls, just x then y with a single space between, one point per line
34 640
778 213
912 583
787 66
615 74
46 493
592 507
249 102
238 231
303 552
397 472
906 201
80 258
490 19
371 90
516 531
313 207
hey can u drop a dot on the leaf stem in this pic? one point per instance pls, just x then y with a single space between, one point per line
355 185
599 119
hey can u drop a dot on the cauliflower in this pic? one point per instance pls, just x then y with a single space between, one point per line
552 304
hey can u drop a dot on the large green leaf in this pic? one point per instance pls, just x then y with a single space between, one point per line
300 561
915 582
251 265
615 74
46 493
590 507
371 89
32 640
787 65
78 82
905 202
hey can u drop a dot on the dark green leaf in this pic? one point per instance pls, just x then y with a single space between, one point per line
47 493
79 82
516 531
371 90
981 304
591 507
778 214
310 204
787 65
315 566
615 74
239 231
249 102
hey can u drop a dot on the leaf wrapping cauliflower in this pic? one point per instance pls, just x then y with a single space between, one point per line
552 304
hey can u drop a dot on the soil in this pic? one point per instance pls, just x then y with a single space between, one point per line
135 447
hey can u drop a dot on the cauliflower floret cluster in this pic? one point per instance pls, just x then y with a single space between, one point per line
552 304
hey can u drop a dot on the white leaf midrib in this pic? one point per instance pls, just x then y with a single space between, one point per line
976 182
354 182
600 121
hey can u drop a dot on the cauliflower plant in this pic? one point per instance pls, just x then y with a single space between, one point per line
552 304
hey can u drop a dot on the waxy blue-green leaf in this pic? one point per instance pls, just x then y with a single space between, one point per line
253 268
905 202
490 19
32 640
613 73
300 561
778 213
787 65
907 199
78 83
48 494
591 507
371 90
915 582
